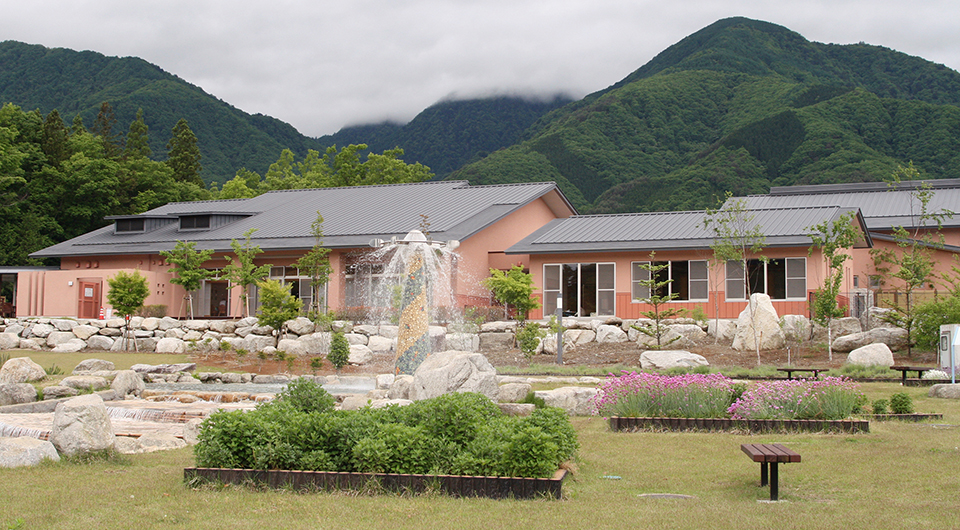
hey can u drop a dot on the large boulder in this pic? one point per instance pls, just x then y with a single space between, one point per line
400 388
575 400
454 371
292 347
93 365
871 355
100 343
495 340
16 393
301 326
359 354
894 338
9 341
21 370
85 331
157 441
55 338
758 321
127 382
171 345
667 359
84 382
945 391
82 425
316 343
514 392
378 344
71 346
462 341
25 451
607 333
797 328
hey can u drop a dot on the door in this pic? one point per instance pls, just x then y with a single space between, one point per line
89 306
219 299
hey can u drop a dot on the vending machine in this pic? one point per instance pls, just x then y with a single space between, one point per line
948 349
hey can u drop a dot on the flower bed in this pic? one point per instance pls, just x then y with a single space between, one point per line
714 402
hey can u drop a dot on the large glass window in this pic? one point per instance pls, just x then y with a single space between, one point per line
299 284
689 279
781 279
586 289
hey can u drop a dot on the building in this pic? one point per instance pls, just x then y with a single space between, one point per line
485 219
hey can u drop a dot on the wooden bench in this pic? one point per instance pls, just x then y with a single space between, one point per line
904 369
790 371
769 456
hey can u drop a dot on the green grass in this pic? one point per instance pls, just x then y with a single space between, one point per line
121 361
893 477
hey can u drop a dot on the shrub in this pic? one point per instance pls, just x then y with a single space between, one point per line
879 406
339 351
655 395
928 317
901 403
528 338
305 395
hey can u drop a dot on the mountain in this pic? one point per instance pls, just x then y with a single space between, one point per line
35 77
739 106
449 134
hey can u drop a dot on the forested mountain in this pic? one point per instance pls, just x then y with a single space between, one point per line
739 106
449 134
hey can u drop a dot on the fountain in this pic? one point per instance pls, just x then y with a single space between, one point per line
420 269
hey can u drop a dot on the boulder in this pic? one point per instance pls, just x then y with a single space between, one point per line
894 338
498 327
71 346
575 400
514 392
254 343
93 365
667 359
670 338
126 445
462 341
127 382
41 330
81 425
84 382
171 345
155 441
99 343
378 344
384 381
400 388
389 331
516 409
359 354
25 451
150 324
110 332
366 329
85 331
31 344
354 402
316 343
64 324
292 347
691 332
21 370
356 338
797 328
225 327
164 368
945 391
174 333
16 393
191 431
301 326
871 355
58 391
383 403
607 333
880 317
725 330
9 341
454 371
759 316
495 341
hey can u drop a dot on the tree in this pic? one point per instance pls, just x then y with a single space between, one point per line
832 239
914 261
735 238
339 354
55 136
188 267
656 285
103 127
242 272
183 154
138 140
127 293
513 287
277 305
316 265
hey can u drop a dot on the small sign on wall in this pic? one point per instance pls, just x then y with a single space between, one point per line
88 292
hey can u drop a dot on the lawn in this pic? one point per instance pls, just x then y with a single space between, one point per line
901 475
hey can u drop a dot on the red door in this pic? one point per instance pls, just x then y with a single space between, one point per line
89 300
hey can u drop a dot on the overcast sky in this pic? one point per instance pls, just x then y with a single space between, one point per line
320 65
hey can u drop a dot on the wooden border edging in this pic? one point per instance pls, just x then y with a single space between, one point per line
455 485
728 424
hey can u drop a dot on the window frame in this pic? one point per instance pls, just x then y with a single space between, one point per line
790 264
702 283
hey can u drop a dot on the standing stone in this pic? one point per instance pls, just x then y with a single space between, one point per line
81 425
767 326
21 370
25 451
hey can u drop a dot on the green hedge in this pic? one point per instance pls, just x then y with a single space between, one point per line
464 434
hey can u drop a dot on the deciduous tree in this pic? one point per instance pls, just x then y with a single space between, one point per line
188 267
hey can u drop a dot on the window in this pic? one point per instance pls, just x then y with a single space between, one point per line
781 279
689 279
587 289
300 284
194 222
129 226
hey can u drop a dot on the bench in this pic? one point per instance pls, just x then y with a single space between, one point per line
769 456
904 369
790 371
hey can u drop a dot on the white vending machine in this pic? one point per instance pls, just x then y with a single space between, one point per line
948 349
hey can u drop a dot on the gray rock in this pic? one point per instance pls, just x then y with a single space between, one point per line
359 354
516 409
110 332
174 333
126 445
607 333
725 330
454 371
9 341
127 382
71 346
255 343
225 327
767 326
514 392
16 393
91 365
164 368
64 324
100 343
366 330
871 355
171 345
378 344
231 377
894 338
316 343
59 337
84 382
81 425
945 391
354 402
498 327
58 391
797 328
496 341
667 359
21 370
158 441
275 379
31 344
691 332
383 403
400 388
462 341
114 323
575 400
41 330
356 338
168 323
26 451
384 381
292 347
85 331
150 324
301 326
389 331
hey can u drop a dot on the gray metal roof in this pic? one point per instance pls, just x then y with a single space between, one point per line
883 207
352 217
670 231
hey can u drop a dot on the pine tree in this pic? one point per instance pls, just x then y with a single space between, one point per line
138 142
103 127
184 154
54 143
